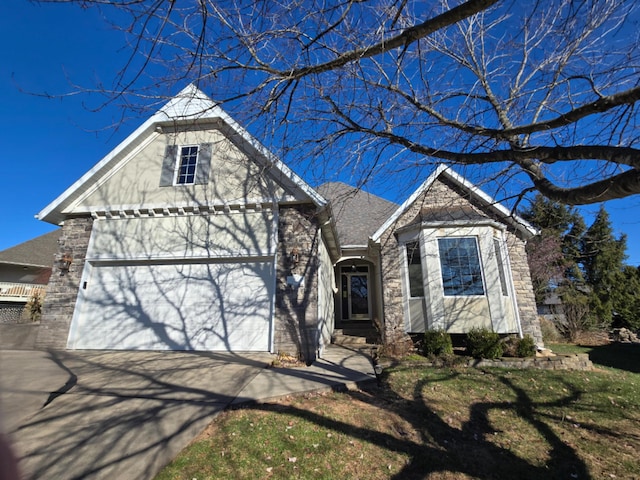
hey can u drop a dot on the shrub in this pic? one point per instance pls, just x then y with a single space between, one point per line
510 346
550 333
33 308
483 343
577 315
437 343
525 347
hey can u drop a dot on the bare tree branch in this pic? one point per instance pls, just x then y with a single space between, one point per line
546 91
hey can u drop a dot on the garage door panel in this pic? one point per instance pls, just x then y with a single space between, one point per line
215 306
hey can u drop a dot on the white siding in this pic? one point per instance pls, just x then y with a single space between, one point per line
240 234
326 298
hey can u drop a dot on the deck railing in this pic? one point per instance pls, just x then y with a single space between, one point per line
16 292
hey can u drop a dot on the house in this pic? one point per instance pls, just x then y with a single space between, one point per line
24 272
190 235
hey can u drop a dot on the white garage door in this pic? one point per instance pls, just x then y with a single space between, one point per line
193 306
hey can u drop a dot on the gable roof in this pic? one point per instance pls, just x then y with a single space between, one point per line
500 211
189 106
37 252
357 213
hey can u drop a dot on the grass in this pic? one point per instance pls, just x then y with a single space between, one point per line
438 424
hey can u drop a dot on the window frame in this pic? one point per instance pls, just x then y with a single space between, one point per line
407 264
479 266
178 164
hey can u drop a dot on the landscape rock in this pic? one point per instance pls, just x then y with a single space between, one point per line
624 335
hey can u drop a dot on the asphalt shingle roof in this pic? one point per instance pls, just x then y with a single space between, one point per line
358 214
37 252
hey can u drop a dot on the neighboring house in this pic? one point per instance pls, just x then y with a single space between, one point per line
551 307
190 235
24 272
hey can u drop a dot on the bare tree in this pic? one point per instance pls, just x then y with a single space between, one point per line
542 91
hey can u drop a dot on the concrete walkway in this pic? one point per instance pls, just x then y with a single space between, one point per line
73 415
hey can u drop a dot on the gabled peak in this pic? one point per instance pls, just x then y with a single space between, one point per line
189 103
498 210
189 107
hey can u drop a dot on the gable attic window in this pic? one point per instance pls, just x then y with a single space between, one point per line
460 266
186 171
186 165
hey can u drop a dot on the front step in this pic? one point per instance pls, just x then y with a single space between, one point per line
354 336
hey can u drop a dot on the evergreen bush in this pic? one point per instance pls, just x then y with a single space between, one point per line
525 347
437 343
483 343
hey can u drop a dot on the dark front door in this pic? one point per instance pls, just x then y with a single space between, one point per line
355 294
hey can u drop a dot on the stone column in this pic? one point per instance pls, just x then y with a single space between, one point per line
296 310
525 298
62 291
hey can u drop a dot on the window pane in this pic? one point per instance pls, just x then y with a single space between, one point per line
187 166
414 267
503 280
460 265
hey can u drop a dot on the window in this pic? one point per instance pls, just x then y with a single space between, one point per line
503 279
186 165
460 265
414 267
186 171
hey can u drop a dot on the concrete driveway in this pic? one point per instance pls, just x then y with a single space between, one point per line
73 415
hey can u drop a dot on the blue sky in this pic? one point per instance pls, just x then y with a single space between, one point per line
48 143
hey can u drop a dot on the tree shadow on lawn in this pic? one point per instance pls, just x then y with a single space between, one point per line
471 448
623 356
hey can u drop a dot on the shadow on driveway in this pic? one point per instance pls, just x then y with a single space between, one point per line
114 414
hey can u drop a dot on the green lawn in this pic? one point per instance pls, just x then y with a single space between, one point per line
440 424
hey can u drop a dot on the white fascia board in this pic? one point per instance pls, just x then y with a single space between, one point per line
518 222
48 213
26 264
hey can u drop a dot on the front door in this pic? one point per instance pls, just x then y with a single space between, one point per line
356 304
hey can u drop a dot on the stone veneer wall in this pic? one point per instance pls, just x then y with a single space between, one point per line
441 195
525 298
62 291
296 310
579 361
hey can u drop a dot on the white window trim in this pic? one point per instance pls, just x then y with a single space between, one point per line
176 168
